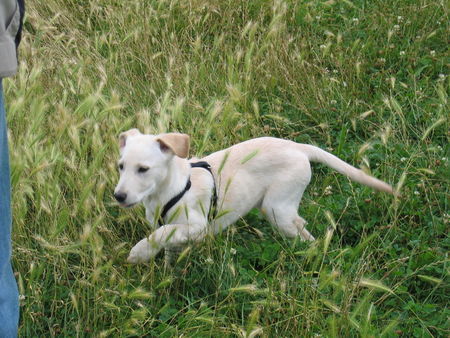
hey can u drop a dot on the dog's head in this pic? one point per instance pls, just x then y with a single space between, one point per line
144 163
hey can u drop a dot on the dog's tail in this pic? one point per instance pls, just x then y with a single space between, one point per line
316 154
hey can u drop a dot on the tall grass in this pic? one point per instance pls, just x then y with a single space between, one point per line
367 80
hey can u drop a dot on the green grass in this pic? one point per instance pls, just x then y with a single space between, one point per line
367 80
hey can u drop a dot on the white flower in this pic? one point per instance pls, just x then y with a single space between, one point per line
355 20
396 27
402 53
446 218
399 18
233 251
317 17
433 53
333 101
328 190
209 260
322 46
403 159
344 83
441 76
416 192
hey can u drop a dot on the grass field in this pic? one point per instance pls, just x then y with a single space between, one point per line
367 80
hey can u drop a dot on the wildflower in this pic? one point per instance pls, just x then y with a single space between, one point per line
416 193
399 18
402 53
333 101
322 46
403 159
328 191
433 53
446 218
396 27
344 83
382 60
442 76
356 20
233 251
317 17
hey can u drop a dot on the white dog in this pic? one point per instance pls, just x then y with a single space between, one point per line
266 173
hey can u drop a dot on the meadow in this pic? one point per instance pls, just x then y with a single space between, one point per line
365 80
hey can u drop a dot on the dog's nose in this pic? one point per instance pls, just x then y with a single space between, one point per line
120 196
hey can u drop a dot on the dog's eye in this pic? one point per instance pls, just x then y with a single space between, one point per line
120 166
142 170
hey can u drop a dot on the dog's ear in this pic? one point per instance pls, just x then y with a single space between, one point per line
174 143
123 137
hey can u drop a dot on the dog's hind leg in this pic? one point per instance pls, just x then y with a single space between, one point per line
291 224
300 224
280 207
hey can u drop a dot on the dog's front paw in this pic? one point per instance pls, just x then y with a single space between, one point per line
142 252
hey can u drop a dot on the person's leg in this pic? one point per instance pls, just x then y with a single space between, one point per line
9 296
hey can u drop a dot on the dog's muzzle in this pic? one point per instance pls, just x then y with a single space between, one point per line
120 196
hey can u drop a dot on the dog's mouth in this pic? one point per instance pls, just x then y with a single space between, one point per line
127 205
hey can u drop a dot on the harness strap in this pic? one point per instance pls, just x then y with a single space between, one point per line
213 206
175 199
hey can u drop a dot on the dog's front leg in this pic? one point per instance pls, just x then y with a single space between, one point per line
165 237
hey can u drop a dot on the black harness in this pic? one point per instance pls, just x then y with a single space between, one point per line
213 208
